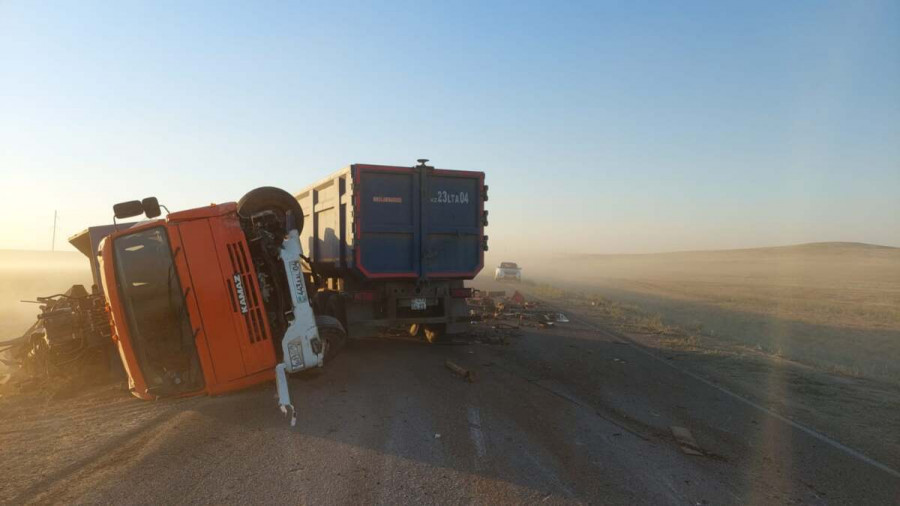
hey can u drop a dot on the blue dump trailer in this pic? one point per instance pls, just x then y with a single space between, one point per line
391 246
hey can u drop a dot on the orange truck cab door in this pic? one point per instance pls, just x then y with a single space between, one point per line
223 285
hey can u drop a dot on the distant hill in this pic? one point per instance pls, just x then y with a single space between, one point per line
812 248
836 245
812 264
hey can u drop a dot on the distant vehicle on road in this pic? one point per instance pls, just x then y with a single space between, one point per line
508 271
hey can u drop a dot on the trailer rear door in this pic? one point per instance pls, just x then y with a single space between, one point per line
418 222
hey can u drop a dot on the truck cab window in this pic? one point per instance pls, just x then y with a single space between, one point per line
157 318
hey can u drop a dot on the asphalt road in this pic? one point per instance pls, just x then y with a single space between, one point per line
564 415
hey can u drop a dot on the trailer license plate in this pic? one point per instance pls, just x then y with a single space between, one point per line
418 305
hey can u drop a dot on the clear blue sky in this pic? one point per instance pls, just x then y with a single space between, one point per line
602 127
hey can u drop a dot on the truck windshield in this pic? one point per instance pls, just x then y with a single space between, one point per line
153 302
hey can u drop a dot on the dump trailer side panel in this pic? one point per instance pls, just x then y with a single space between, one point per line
327 234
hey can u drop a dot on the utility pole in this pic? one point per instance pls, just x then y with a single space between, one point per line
53 241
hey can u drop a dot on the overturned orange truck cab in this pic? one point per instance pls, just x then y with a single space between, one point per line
213 299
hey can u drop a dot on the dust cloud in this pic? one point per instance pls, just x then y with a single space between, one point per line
25 275
834 305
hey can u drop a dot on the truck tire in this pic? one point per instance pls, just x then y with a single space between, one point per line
331 330
436 333
269 198
334 306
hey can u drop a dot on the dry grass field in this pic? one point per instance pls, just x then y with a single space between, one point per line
835 306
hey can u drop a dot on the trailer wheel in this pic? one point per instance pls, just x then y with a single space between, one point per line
436 333
269 198
331 330
335 307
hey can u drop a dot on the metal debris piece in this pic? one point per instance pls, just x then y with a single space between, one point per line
460 371
493 332
686 440
69 343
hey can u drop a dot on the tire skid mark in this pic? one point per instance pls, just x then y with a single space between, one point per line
549 473
807 430
474 417
56 485
624 422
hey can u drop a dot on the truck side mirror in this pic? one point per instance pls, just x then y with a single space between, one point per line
150 207
128 209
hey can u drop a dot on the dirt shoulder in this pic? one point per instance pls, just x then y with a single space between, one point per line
858 412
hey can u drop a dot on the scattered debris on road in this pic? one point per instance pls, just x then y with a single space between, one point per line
686 441
494 333
496 317
68 345
460 371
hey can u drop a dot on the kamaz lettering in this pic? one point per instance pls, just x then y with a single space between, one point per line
242 298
